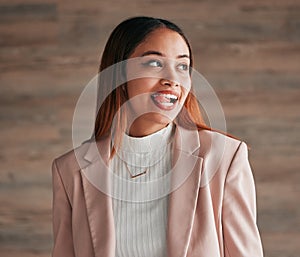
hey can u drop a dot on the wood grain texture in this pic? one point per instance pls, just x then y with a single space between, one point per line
249 51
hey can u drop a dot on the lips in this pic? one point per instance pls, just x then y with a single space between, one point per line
165 100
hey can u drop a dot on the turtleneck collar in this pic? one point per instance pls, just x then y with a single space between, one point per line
148 149
147 143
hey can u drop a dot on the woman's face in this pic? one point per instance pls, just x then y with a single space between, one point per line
158 81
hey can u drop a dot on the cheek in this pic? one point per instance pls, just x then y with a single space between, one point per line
184 92
141 86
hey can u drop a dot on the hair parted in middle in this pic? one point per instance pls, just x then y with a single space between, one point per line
120 45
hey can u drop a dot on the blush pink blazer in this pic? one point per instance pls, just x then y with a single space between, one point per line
211 214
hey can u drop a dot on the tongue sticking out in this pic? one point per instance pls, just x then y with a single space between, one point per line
165 101
162 99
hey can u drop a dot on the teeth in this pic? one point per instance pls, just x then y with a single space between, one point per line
166 104
170 96
165 99
167 95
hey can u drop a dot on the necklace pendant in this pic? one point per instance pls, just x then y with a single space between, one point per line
134 176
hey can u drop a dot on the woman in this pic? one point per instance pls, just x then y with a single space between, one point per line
150 129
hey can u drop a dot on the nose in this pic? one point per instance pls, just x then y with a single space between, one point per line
168 82
169 75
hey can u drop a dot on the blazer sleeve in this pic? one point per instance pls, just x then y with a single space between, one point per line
61 217
240 232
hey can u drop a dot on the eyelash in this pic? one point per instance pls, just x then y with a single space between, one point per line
186 67
159 64
153 61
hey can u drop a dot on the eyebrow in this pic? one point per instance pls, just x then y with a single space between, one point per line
160 54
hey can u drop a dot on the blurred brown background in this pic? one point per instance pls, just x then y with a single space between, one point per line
247 50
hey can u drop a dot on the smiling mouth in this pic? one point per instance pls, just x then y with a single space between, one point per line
165 101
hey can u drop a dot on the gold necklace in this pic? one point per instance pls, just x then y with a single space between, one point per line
137 175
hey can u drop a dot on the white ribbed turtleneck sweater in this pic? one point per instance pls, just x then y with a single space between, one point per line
141 226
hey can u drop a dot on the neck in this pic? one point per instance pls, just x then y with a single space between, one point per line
144 129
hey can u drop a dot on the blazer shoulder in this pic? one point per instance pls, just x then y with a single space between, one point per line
213 141
218 151
72 160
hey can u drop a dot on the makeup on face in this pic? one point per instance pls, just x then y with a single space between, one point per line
165 99
158 75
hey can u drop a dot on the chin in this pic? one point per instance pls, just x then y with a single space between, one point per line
158 118
152 119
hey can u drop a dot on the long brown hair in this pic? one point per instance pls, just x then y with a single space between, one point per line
121 43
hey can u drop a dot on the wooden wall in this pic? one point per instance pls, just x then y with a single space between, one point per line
49 50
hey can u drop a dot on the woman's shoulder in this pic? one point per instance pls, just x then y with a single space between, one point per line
218 151
72 160
218 144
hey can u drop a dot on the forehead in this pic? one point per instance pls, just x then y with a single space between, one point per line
165 41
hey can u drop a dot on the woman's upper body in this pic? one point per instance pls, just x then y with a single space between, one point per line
215 218
208 190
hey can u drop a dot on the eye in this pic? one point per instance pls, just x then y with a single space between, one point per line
153 63
183 67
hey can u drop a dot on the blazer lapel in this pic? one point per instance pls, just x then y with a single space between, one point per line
186 174
95 176
185 179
